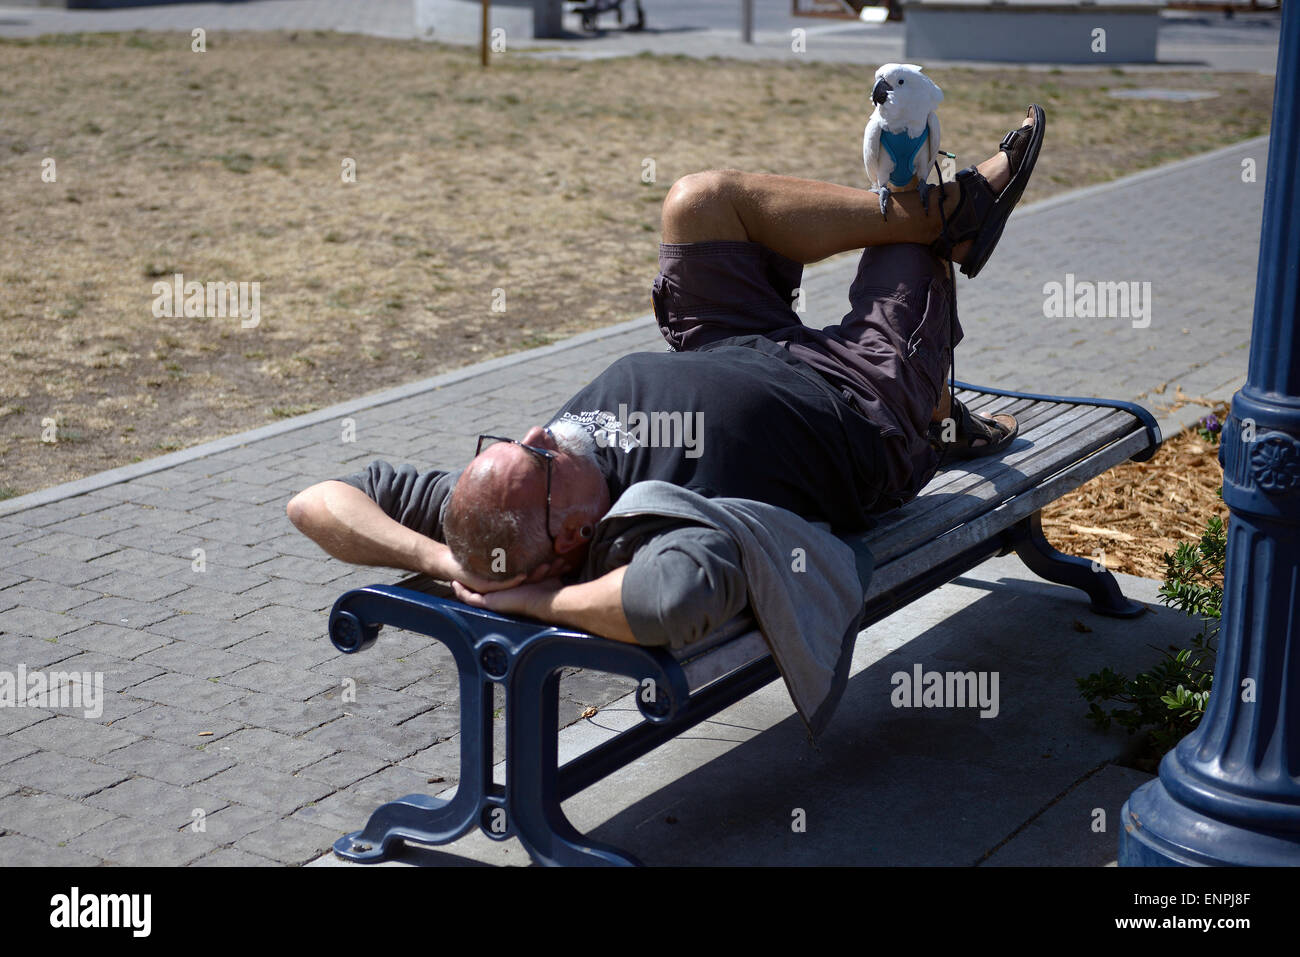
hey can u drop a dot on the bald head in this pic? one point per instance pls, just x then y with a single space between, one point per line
495 524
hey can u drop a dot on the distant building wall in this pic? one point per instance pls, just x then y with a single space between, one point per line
460 19
1031 32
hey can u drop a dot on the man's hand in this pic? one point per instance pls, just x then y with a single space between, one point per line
456 573
532 601
594 606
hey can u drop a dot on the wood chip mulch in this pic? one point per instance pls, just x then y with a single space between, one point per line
1134 513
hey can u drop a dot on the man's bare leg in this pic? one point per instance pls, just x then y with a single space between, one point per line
806 220
944 408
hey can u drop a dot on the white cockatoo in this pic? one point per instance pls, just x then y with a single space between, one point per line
902 137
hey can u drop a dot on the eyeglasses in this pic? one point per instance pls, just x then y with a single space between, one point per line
546 455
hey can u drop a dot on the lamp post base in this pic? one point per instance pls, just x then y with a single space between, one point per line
1158 831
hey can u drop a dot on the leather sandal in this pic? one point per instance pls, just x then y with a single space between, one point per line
982 214
971 427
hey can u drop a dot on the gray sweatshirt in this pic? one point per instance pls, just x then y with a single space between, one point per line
805 586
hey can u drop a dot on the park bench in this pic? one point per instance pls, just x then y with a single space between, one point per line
963 516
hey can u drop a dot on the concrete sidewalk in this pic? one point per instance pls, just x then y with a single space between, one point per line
181 582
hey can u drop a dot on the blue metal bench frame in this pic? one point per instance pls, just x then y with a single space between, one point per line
526 658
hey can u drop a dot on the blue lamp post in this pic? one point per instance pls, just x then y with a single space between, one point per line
1229 793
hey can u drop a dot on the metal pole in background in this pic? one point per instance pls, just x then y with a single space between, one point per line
483 36
1229 793
747 20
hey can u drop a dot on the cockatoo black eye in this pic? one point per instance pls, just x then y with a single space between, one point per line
901 82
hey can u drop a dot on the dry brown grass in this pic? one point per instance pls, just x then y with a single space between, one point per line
225 166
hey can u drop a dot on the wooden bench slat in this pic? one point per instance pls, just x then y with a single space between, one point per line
1045 430
932 515
1041 454
1039 445
1033 417
977 495
721 659
890 574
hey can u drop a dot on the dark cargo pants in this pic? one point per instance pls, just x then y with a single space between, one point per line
888 357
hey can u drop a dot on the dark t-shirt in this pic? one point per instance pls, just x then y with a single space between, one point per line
739 418
751 421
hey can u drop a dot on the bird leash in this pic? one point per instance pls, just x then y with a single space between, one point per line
952 282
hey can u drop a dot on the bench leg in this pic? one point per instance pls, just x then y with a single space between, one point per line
1047 563
416 817
429 820
420 817
532 788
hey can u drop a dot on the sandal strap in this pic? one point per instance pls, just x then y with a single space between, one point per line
1012 138
971 427
1015 143
1022 149
976 201
961 417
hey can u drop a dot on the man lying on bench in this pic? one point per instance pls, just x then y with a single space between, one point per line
832 425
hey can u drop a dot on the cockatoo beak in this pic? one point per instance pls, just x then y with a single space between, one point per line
880 93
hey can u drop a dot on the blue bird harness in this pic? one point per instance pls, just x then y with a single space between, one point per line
902 149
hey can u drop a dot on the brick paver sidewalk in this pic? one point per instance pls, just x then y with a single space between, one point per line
225 736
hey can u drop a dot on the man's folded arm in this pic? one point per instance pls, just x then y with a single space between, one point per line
678 586
682 585
380 516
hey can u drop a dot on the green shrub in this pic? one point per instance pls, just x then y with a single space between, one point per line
1167 702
